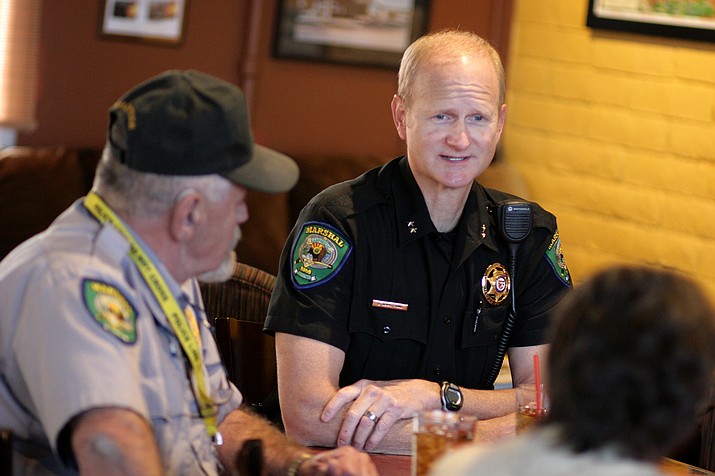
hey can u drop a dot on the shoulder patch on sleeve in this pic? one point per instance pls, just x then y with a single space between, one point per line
110 309
555 257
318 254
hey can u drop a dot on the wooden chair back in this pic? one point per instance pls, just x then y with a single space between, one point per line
237 308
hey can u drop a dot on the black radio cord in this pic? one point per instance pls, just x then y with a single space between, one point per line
509 321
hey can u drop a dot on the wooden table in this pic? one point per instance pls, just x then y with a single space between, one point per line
392 465
401 465
670 466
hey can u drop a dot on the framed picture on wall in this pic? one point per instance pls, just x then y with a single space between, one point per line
357 32
689 19
159 21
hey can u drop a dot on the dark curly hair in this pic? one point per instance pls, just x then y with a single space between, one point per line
631 361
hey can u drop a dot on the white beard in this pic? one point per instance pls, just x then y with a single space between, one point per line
225 269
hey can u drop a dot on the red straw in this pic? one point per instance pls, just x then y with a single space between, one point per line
537 379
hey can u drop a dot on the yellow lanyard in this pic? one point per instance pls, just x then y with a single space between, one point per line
190 342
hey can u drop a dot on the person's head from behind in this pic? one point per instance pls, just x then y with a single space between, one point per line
449 107
180 153
631 361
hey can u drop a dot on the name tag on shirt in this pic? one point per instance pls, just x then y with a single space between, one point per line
397 306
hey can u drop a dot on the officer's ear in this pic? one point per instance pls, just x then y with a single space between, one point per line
186 215
399 116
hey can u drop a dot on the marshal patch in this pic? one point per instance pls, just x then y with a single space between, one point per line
555 257
318 254
110 309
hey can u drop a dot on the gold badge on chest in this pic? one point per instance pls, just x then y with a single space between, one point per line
496 284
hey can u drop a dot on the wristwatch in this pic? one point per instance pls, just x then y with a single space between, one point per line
451 397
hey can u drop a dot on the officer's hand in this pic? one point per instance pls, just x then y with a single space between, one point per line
373 407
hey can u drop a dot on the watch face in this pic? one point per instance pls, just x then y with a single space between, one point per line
452 397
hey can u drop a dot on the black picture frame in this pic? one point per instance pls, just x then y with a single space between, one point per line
350 33
153 21
618 16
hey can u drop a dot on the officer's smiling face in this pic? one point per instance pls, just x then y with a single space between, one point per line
454 121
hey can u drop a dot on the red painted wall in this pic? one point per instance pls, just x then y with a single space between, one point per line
298 107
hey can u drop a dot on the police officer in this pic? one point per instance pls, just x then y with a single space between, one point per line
107 361
394 288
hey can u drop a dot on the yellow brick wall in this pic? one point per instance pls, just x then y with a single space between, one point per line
615 134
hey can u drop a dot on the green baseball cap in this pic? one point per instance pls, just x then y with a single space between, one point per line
191 123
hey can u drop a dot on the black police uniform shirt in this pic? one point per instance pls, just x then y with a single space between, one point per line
365 270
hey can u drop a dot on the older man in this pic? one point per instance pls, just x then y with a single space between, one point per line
108 364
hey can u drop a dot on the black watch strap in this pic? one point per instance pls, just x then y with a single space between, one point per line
451 397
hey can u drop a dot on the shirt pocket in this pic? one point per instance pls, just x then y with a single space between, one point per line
165 381
489 325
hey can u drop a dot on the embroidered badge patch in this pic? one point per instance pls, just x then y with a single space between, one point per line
318 254
496 284
555 256
110 309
